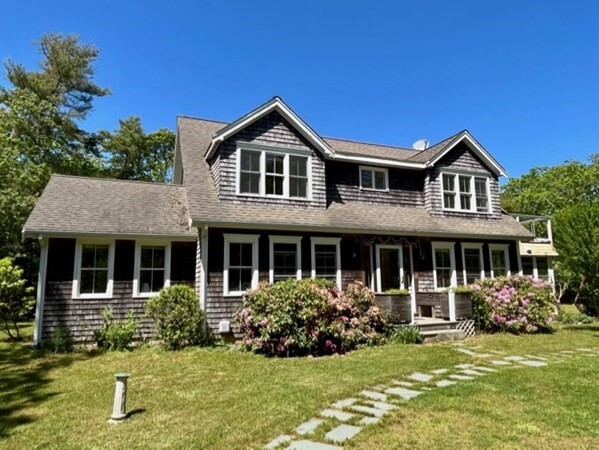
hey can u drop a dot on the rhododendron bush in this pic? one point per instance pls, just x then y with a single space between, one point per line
516 304
309 317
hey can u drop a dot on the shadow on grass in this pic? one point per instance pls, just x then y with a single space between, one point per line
25 379
586 327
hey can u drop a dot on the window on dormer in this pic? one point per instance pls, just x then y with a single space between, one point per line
273 173
465 192
373 178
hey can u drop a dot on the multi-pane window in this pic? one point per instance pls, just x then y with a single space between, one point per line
240 263
462 188
249 176
326 259
535 266
500 264
285 261
528 267
542 267
373 178
273 173
473 265
94 269
152 266
443 267
298 176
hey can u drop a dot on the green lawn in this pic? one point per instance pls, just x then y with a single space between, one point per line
218 398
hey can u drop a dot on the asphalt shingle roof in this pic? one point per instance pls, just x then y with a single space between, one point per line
82 205
205 207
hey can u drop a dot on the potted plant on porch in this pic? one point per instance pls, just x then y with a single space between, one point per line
396 303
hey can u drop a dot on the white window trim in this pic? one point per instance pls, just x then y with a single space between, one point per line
286 152
505 248
77 271
374 169
297 240
477 246
137 266
378 266
314 241
444 245
240 239
456 192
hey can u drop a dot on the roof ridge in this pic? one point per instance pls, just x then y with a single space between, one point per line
370 143
116 180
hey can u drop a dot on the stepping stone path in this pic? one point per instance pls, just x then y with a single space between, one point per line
345 418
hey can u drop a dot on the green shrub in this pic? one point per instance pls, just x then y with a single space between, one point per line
463 290
302 317
516 304
578 318
396 291
408 334
16 301
178 317
116 334
60 342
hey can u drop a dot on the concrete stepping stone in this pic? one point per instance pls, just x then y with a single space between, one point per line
533 363
368 410
308 427
584 349
421 377
466 351
483 355
461 377
403 383
514 358
404 393
382 405
439 371
484 369
540 358
445 383
334 414
368 420
498 362
279 440
472 372
374 395
311 445
379 387
344 403
342 433
464 366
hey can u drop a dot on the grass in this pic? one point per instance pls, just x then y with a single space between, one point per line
218 398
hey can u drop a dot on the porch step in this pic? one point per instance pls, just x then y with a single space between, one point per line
443 335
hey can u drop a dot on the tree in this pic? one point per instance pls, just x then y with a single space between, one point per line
16 301
134 155
569 193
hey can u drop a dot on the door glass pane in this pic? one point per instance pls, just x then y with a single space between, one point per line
390 265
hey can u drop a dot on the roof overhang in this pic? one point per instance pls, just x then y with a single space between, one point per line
41 234
275 104
478 149
537 249
379 161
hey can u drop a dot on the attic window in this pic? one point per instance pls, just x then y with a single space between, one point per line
272 172
374 178
463 192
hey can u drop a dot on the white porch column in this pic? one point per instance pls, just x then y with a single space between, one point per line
412 285
41 292
203 265
451 299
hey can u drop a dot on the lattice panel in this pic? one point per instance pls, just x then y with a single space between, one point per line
467 326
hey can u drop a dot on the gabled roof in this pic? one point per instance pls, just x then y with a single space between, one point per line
275 104
100 207
434 154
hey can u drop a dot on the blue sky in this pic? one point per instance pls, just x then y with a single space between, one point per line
522 76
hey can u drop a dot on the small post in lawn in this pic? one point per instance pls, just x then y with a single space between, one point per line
119 409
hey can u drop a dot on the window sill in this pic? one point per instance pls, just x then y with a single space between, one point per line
234 294
145 295
277 197
466 211
106 296
374 189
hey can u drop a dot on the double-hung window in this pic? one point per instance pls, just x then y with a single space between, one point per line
500 260
272 172
465 192
240 271
444 273
94 267
536 266
152 268
374 178
285 258
326 259
472 262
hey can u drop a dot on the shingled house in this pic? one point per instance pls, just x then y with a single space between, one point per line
267 198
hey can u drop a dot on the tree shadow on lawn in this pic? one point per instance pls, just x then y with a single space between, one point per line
25 375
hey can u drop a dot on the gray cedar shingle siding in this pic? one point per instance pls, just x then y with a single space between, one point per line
272 129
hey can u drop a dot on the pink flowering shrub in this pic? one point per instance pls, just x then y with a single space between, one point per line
516 304
309 317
